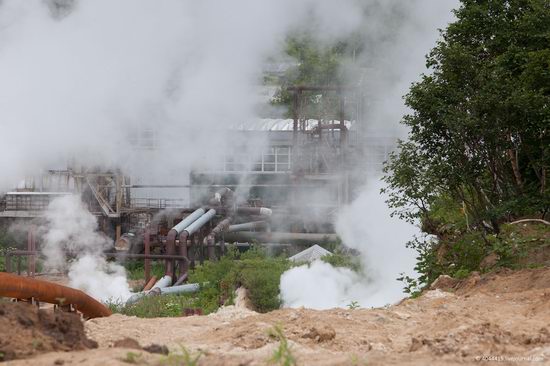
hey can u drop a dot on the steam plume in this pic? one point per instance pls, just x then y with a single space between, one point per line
398 34
71 230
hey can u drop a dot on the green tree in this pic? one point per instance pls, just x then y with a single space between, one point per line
480 119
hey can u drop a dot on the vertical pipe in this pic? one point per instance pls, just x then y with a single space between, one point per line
170 250
147 250
211 250
34 250
33 246
29 248
201 246
191 252
183 265
118 232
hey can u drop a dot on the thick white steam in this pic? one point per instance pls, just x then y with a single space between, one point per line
72 242
81 80
366 226
398 35
80 83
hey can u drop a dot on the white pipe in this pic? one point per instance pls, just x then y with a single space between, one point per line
182 289
266 211
183 224
195 226
163 282
246 226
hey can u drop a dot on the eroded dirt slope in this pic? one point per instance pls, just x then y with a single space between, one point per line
26 331
505 314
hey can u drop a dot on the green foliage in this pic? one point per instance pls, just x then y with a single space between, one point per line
520 246
457 255
136 271
282 355
479 126
182 358
343 260
412 286
353 305
133 358
7 242
253 269
478 150
461 274
157 306
317 65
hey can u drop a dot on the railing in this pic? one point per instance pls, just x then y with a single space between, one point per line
158 203
28 201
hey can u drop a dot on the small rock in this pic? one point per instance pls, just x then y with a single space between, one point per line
127 343
443 282
320 334
489 261
59 362
156 348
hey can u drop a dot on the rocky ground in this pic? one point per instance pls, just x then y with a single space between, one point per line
502 317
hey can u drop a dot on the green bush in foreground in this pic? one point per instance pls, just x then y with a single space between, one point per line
254 270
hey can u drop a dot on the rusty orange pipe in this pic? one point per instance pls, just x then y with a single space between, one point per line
150 284
25 288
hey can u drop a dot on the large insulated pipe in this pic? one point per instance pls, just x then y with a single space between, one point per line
200 222
210 240
185 234
256 211
247 226
171 239
183 224
18 287
183 289
281 237
165 281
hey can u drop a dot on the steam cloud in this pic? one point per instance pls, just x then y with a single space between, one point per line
72 230
81 78
78 77
398 35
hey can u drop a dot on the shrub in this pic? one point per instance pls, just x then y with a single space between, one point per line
254 270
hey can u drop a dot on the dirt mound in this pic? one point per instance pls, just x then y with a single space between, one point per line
27 331
501 316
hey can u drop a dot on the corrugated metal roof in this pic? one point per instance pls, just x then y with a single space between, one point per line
270 124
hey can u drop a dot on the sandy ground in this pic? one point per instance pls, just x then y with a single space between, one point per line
502 318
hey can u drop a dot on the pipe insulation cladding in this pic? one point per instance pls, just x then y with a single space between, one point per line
200 222
183 224
165 281
182 289
247 226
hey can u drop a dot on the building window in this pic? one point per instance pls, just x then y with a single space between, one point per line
275 159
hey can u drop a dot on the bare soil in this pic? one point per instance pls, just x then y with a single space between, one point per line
502 316
26 331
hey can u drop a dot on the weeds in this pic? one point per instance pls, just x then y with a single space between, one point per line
133 358
458 253
253 269
353 305
342 260
282 356
157 306
182 358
